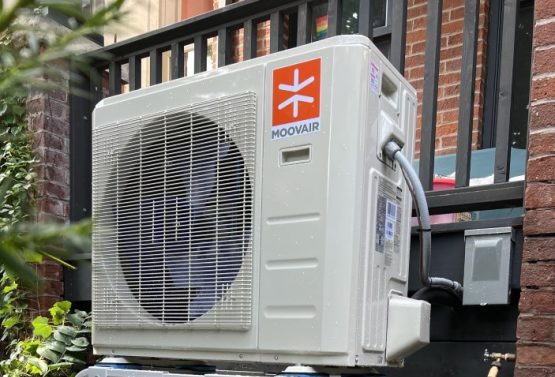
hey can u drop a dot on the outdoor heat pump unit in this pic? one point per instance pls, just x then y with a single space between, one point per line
249 214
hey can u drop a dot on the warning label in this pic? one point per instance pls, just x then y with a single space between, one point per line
296 99
388 219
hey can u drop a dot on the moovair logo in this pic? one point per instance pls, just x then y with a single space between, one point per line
296 99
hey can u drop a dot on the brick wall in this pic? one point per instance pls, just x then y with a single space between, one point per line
449 68
48 117
536 323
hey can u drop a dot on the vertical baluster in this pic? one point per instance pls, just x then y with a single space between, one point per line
398 34
200 53
276 32
429 103
114 80
303 24
365 19
466 98
224 47
177 61
155 67
334 17
249 39
503 124
134 73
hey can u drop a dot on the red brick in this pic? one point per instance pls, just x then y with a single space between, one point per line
543 60
52 206
456 14
536 355
526 371
52 287
50 270
544 34
536 328
446 129
537 275
455 40
538 301
418 47
448 103
544 9
541 169
540 195
541 143
453 27
414 61
543 89
539 249
53 157
542 116
415 11
53 190
537 222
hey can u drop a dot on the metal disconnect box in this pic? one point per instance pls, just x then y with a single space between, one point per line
487 266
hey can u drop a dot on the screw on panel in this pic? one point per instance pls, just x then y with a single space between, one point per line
276 357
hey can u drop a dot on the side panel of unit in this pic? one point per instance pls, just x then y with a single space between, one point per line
310 210
392 112
170 341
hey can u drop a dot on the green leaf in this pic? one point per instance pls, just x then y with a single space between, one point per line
67 330
11 321
41 328
64 306
48 354
73 359
58 366
75 319
62 338
10 287
38 363
31 256
57 346
76 349
80 342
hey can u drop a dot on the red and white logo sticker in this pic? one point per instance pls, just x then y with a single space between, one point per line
296 99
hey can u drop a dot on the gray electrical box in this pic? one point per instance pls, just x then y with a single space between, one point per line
487 266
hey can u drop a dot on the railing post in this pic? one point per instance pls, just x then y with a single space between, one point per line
429 102
155 66
177 61
503 124
303 24
334 17
114 80
398 34
224 47
365 19
80 169
200 53
276 32
134 73
466 97
249 40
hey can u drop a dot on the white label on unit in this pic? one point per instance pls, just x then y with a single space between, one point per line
388 219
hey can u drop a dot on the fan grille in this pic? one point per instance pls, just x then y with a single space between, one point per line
173 213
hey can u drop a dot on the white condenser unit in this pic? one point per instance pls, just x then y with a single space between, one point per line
248 214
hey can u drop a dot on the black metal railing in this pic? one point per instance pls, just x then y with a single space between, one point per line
296 16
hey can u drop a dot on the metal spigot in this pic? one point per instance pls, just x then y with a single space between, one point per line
496 359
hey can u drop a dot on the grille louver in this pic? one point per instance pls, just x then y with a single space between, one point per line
173 212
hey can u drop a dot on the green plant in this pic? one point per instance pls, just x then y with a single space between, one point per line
13 313
58 346
29 58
